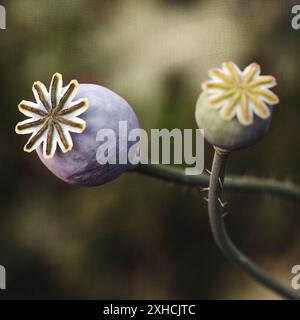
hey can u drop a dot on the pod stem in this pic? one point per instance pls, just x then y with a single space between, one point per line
252 185
215 210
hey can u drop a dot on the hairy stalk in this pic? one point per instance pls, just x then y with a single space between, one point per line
220 234
233 183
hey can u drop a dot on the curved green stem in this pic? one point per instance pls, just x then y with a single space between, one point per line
220 234
233 183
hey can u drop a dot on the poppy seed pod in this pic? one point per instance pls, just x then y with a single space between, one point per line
235 107
66 143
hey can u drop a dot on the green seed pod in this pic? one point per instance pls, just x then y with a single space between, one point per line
235 107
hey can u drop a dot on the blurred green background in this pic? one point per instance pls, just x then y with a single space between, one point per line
138 237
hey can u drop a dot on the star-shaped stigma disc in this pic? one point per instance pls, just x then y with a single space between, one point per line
52 117
240 93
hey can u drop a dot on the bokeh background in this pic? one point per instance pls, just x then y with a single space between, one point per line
138 237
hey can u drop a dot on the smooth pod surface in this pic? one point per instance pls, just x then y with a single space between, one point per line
228 134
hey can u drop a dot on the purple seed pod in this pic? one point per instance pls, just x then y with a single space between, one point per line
80 158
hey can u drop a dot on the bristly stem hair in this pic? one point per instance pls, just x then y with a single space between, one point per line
221 237
284 189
